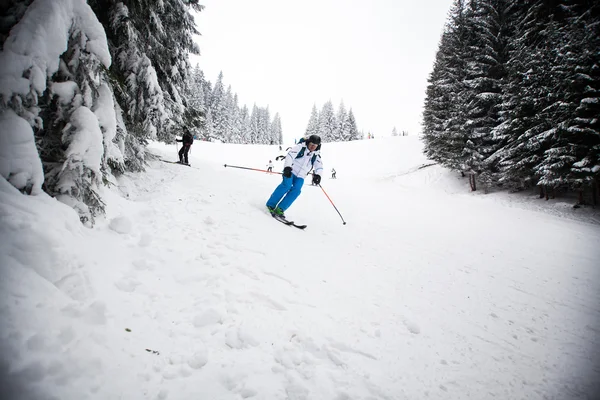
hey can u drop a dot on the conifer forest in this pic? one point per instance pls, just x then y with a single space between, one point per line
513 99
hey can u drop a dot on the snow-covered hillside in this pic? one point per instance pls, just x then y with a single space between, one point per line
189 290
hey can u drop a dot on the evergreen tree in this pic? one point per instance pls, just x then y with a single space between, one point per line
264 126
444 118
313 122
236 121
482 95
209 133
573 159
342 119
352 129
196 105
218 107
195 96
276 132
150 41
255 133
71 108
327 123
229 116
394 132
529 93
245 131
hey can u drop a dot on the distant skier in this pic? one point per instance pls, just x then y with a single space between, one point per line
298 162
270 166
186 141
333 173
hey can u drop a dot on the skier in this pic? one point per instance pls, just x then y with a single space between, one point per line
270 166
186 141
333 173
298 162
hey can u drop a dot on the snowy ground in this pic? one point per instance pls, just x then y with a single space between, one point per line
189 290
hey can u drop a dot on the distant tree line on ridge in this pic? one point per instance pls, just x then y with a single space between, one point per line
333 126
221 118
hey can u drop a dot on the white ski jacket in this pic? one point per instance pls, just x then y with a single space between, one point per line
301 161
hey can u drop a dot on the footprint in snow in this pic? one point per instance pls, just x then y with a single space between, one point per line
208 317
120 225
127 284
412 327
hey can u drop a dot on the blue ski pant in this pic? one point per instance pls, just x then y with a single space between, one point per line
285 194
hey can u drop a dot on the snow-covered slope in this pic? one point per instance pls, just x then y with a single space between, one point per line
189 290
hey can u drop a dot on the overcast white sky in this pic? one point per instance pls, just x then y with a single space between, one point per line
375 55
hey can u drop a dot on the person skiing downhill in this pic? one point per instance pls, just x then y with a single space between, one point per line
186 141
298 163
270 166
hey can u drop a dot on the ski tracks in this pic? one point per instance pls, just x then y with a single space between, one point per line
219 311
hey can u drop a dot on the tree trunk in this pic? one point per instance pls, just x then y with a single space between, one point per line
595 191
472 182
541 192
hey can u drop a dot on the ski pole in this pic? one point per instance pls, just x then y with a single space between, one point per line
332 204
252 169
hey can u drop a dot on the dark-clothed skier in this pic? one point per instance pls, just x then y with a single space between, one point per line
186 141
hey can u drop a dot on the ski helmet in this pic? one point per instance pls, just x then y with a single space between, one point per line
316 139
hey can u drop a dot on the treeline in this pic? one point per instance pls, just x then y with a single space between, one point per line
514 96
89 83
333 126
223 119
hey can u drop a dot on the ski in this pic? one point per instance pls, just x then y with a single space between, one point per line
176 162
288 223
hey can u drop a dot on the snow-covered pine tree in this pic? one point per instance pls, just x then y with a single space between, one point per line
443 114
572 161
68 101
353 133
208 133
150 41
482 95
585 171
229 116
264 123
313 123
394 132
218 107
276 132
341 119
194 95
530 95
327 122
245 131
236 121
255 125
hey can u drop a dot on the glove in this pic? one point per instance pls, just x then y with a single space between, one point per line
317 179
287 172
